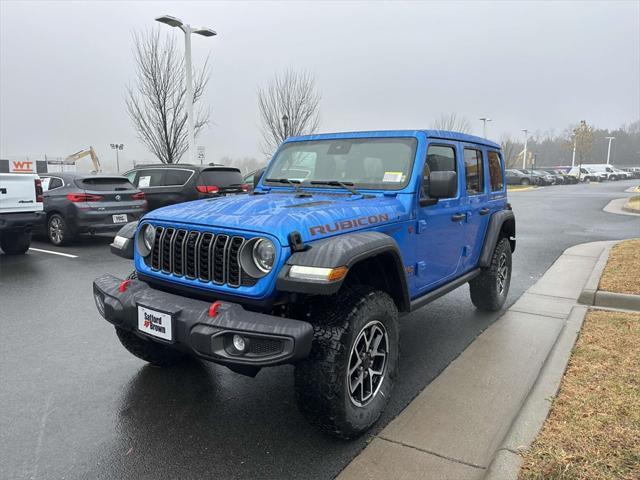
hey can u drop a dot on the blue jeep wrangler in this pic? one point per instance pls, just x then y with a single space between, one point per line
343 234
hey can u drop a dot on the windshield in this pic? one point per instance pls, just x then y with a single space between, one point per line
375 163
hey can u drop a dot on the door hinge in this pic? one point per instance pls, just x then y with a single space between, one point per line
466 250
421 268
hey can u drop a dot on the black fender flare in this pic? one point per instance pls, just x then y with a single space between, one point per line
125 248
501 222
343 250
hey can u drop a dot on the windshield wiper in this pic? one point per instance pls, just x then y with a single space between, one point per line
294 183
337 183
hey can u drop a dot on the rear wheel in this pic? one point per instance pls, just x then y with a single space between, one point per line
152 352
15 243
58 230
345 383
489 289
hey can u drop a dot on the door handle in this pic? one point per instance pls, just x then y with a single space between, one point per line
458 217
3 191
484 211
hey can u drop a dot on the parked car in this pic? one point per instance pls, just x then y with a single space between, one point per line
634 171
21 210
540 179
622 174
584 174
607 170
316 272
517 177
547 178
560 177
76 204
165 184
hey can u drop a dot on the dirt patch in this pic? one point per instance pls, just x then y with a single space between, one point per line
633 203
622 273
593 429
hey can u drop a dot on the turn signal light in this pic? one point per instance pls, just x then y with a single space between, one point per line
83 197
244 187
318 274
207 189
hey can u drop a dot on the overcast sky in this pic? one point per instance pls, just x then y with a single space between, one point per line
535 65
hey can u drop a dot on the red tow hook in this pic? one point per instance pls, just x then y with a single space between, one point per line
213 309
123 286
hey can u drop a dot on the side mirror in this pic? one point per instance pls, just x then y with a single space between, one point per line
122 245
257 176
443 184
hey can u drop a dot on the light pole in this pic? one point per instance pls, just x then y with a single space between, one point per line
188 30
524 158
285 124
484 125
609 149
573 158
117 147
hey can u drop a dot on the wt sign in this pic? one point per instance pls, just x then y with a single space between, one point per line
22 166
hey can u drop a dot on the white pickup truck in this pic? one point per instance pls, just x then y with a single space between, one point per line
21 210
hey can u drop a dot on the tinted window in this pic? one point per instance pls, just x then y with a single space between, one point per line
440 158
220 177
104 184
150 178
49 183
473 171
176 177
495 171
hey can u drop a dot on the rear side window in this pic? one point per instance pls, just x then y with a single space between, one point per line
440 158
495 171
176 177
220 177
105 184
150 178
473 171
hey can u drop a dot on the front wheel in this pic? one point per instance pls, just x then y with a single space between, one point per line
15 243
489 289
345 383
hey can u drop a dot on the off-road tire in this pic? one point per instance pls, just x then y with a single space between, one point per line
58 223
525 181
321 387
15 243
485 291
133 275
152 352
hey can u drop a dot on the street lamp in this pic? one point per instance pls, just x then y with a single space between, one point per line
188 30
285 124
117 147
484 125
609 149
524 158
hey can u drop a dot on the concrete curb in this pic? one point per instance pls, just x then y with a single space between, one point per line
491 401
627 208
592 296
617 206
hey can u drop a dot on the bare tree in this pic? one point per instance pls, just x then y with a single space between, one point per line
452 122
289 106
156 104
510 150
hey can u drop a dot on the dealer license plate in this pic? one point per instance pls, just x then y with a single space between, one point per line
157 324
120 218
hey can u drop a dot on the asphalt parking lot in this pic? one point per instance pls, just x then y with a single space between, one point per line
74 404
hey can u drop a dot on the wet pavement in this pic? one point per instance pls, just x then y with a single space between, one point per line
74 404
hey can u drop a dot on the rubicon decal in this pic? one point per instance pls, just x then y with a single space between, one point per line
348 224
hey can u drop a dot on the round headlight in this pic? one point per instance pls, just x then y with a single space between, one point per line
148 236
264 255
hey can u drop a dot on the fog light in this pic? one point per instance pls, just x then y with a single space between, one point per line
239 343
99 299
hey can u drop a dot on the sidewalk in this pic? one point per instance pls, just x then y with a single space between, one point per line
461 422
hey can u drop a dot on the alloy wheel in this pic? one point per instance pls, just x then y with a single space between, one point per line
55 230
367 363
503 273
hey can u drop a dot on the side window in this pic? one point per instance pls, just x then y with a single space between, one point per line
176 177
440 158
473 171
55 182
149 178
131 176
495 171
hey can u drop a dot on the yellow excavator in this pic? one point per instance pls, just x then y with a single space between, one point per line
73 158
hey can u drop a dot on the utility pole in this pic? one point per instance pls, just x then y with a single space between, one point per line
188 30
524 158
573 158
484 125
609 149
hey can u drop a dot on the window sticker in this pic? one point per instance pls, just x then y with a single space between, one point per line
144 181
395 177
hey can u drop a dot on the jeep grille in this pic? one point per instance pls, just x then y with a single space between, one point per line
198 255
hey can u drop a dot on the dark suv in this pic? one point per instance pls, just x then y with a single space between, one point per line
343 234
165 184
77 204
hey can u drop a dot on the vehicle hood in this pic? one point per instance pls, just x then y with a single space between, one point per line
322 215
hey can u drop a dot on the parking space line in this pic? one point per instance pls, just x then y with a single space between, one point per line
53 253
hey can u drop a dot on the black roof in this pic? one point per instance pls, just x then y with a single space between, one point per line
184 166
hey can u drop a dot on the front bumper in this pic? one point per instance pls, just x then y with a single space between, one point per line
270 340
